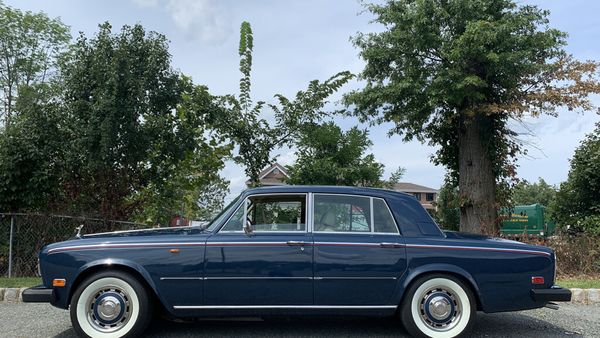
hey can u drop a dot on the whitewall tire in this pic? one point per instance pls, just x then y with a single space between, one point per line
438 306
110 304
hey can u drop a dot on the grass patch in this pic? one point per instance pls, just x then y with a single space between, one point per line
19 282
581 283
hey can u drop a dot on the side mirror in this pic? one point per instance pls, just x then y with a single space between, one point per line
248 228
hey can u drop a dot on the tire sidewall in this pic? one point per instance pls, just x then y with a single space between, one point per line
410 306
140 303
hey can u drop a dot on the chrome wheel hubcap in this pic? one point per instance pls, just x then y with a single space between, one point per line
440 309
108 309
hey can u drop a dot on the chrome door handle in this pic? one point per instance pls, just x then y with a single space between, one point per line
296 243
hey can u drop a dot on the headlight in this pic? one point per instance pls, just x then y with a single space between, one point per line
39 269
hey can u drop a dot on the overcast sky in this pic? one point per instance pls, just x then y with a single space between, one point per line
298 41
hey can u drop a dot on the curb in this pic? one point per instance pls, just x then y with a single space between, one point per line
582 296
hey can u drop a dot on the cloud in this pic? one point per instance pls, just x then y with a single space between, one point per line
202 20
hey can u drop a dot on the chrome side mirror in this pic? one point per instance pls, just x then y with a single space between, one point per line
248 228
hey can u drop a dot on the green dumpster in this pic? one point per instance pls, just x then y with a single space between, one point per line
526 220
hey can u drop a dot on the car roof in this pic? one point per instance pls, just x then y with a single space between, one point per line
338 189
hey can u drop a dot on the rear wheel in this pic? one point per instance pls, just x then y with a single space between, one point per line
438 306
110 304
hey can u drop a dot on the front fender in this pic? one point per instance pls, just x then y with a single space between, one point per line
107 263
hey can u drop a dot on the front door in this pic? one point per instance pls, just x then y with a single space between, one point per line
359 253
271 264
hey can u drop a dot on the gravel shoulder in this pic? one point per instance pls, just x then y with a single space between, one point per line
573 320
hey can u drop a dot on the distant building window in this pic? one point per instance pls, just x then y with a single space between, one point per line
429 197
275 171
417 196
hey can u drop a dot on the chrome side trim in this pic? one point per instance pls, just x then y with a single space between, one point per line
476 248
355 278
233 307
277 278
249 243
123 246
375 245
257 278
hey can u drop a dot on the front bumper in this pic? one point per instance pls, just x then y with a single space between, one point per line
553 294
38 294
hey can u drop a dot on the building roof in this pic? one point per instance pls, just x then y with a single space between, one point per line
267 177
411 187
272 167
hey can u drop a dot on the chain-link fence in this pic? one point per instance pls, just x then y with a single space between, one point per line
23 235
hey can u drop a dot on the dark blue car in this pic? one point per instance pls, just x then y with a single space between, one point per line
297 250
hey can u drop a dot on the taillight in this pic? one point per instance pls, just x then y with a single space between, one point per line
537 280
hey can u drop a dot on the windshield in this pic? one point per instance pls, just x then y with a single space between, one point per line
219 219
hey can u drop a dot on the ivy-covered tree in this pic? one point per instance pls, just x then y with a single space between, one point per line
30 44
243 121
326 155
453 73
578 199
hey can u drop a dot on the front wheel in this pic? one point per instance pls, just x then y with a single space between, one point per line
438 306
110 304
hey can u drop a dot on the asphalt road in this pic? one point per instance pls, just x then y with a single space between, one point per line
572 320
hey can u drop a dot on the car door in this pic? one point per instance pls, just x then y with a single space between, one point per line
270 266
359 253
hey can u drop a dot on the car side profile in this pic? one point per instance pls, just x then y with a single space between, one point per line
297 251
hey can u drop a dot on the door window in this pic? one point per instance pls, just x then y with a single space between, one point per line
341 213
270 213
382 218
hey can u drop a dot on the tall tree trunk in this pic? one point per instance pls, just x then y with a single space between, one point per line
477 184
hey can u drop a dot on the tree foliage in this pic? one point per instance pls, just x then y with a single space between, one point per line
137 127
447 212
578 199
29 46
453 73
525 193
326 155
243 121
32 153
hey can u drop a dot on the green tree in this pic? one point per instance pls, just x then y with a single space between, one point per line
32 153
578 199
329 156
447 213
30 44
525 193
137 129
453 73
255 136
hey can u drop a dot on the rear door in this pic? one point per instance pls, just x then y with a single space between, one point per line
359 253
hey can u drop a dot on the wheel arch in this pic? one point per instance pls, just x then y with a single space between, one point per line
129 267
446 269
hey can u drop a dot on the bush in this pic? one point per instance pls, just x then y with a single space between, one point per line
576 254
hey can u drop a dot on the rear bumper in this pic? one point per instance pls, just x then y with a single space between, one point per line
553 294
38 294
